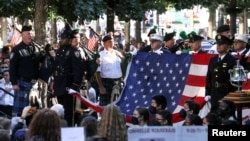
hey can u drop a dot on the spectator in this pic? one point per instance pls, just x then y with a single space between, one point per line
90 125
192 120
6 100
211 119
141 116
189 107
58 108
164 117
4 135
112 124
41 126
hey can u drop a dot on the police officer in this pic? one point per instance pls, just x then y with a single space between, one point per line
218 79
147 48
156 43
24 66
62 73
195 43
169 42
221 30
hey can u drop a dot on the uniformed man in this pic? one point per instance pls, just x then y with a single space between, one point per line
156 43
147 48
169 42
109 71
62 73
78 61
222 30
218 79
241 49
24 66
195 43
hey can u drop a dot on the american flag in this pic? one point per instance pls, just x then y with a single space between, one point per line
178 77
92 40
16 38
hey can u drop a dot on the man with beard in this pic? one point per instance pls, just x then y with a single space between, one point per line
62 73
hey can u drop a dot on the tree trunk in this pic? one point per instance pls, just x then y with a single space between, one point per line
127 32
3 31
243 22
53 30
232 12
211 22
138 31
110 20
41 13
221 14
98 27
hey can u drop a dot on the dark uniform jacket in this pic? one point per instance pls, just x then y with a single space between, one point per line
62 71
24 63
218 78
79 66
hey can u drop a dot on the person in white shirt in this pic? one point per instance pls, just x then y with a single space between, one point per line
6 100
109 71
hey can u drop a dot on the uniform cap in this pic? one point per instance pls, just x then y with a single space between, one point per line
67 34
220 39
152 31
183 35
241 37
169 36
106 38
156 37
194 37
26 28
223 28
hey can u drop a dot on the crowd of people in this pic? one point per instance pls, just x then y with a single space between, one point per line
71 66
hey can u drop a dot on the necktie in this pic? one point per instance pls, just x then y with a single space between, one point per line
219 60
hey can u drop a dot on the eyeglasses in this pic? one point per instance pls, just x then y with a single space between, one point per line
4 67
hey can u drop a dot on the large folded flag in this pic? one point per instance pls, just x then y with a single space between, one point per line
177 77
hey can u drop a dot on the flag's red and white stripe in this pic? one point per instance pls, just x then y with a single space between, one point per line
195 87
92 40
16 38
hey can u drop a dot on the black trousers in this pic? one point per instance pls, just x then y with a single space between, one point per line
108 83
69 107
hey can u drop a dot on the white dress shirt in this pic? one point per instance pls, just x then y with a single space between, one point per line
110 66
6 99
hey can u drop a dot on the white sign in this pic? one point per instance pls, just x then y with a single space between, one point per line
168 133
73 134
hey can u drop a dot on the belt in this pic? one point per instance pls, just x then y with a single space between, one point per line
110 79
218 85
27 79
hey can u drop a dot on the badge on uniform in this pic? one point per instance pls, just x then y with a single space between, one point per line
77 54
224 65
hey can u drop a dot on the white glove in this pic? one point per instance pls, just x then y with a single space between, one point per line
134 52
247 54
178 52
233 53
159 52
207 98
191 52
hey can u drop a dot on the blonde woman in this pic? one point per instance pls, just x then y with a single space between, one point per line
112 124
